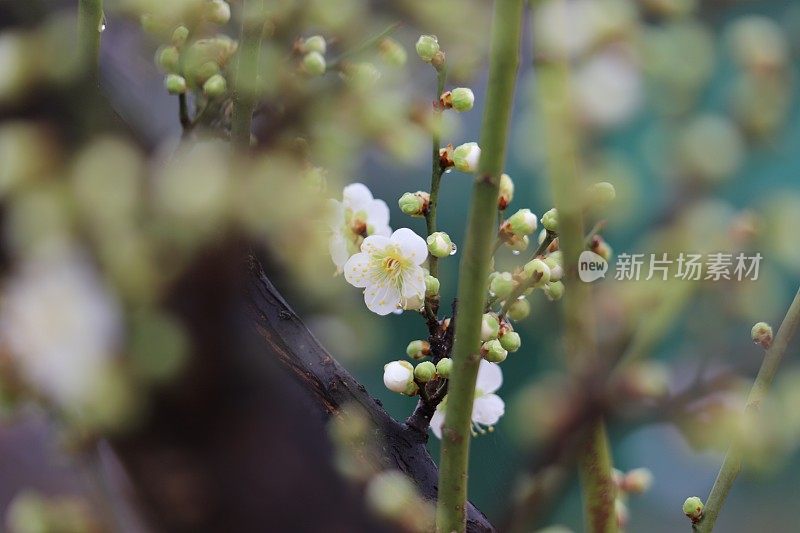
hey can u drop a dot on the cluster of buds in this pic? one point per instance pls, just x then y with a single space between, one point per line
498 339
403 378
198 64
415 204
313 50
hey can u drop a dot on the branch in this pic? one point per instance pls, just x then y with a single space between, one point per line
244 94
733 459
474 271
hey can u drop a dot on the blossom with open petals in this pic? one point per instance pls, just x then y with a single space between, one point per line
389 271
357 216
487 408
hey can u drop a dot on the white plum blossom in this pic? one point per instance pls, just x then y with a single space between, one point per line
61 327
357 216
389 271
487 408
397 375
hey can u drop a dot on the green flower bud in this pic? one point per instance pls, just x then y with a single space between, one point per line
440 245
427 46
519 310
506 192
180 35
168 59
601 194
462 99
425 371
490 327
431 286
314 63
466 157
493 351
411 389
175 84
218 12
414 204
554 290
511 341
550 220
418 349
315 43
444 366
523 222
693 508
554 263
762 334
215 86
202 73
519 244
502 285
392 52
537 272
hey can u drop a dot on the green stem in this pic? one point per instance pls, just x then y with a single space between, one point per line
366 45
733 459
474 271
555 108
436 167
90 17
244 94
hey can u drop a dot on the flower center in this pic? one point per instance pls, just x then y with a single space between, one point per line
391 265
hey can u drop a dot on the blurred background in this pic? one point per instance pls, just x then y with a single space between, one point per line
689 108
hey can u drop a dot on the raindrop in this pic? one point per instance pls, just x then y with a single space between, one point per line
102 26
448 170
515 252
492 295
453 250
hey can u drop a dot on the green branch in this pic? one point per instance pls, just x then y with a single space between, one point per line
474 270
733 459
90 19
245 89
555 108
436 167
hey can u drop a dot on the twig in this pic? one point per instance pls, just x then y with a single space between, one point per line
474 271
733 459
366 45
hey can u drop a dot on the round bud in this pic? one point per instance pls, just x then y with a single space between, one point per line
218 12
523 222
554 290
506 192
762 334
418 349
414 204
462 99
215 86
537 272
440 245
431 286
601 194
175 84
637 481
511 341
550 220
427 46
168 59
518 244
502 285
466 157
397 375
693 508
519 310
554 262
180 35
315 43
490 327
493 351
425 371
444 366
392 52
314 64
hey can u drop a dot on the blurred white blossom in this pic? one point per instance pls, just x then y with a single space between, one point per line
357 216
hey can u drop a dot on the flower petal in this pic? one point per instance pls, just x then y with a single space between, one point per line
488 409
356 196
356 270
437 421
414 283
334 213
374 243
490 377
385 231
382 299
337 247
377 213
412 245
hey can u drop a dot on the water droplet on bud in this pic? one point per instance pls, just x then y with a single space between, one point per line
515 252
453 250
